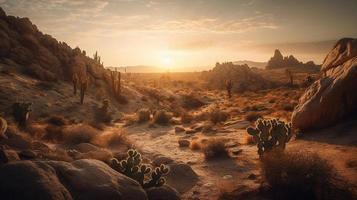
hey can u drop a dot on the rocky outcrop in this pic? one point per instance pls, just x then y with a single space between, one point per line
81 179
279 61
333 97
242 77
40 55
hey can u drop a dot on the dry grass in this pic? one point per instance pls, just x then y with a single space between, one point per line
215 148
218 116
112 140
80 133
297 175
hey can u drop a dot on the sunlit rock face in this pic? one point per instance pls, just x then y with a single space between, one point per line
333 97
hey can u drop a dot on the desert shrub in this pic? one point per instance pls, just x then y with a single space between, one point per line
191 102
202 116
298 175
57 120
103 113
143 115
186 118
80 133
112 139
217 116
252 116
162 117
215 148
143 174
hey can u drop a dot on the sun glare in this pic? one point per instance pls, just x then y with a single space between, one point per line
166 61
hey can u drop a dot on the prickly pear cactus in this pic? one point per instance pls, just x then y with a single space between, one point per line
133 168
270 134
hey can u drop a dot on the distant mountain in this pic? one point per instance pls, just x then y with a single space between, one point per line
251 64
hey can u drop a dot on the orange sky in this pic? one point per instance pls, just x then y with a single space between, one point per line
189 33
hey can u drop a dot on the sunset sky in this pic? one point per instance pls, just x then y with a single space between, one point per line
189 33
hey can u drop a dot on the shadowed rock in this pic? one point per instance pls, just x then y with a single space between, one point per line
333 97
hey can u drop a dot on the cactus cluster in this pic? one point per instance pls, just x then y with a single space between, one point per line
270 134
229 86
21 112
290 75
133 168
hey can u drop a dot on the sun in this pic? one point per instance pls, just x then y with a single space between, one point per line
166 60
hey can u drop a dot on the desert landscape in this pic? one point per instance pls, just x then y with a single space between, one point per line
72 127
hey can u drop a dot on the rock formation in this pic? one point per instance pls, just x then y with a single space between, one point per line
242 77
333 97
279 61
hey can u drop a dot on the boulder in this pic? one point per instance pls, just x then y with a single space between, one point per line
30 180
162 160
80 179
184 143
181 177
331 98
163 193
7 155
93 179
85 147
179 129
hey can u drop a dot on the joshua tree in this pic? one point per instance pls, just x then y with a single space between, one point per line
75 81
229 86
290 75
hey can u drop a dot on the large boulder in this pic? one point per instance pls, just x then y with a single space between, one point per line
333 97
80 179
30 180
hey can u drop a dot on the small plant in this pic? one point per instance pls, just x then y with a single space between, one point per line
162 117
217 116
229 86
143 115
215 148
133 168
270 134
21 112
103 114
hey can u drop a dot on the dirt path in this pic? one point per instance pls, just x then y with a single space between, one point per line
215 175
